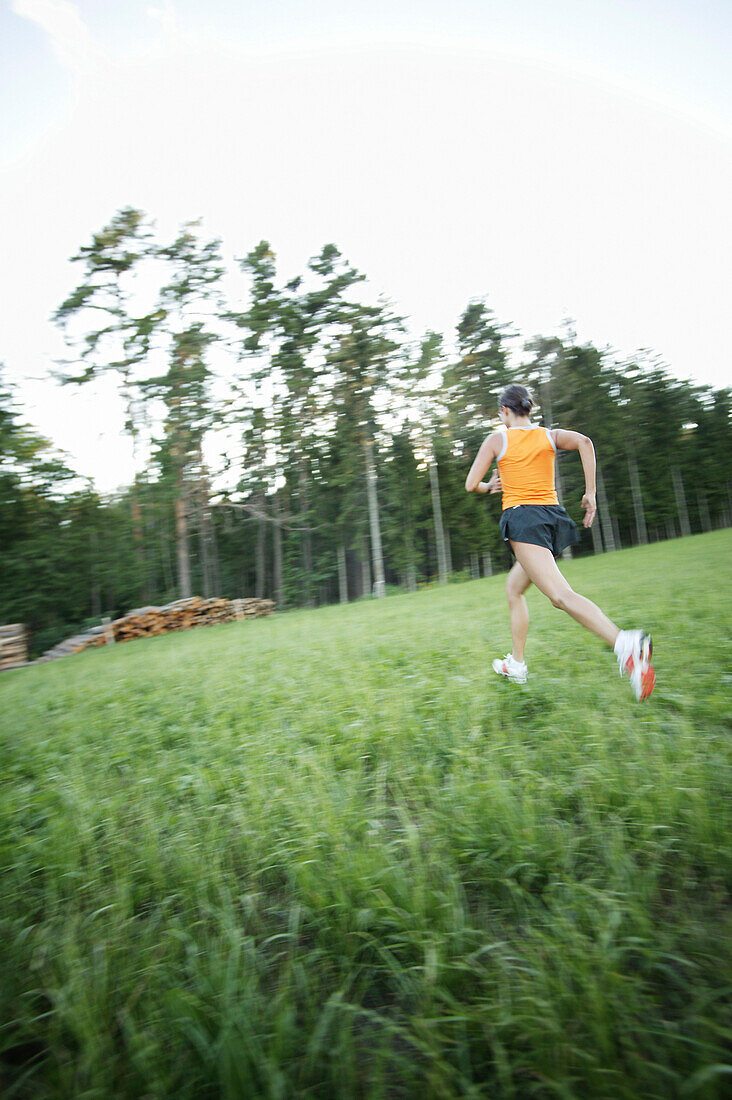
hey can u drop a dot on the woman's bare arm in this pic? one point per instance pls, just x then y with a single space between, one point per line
575 441
489 451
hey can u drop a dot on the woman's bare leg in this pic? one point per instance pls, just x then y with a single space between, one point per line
540 567
516 585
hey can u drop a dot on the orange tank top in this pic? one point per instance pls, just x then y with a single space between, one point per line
526 466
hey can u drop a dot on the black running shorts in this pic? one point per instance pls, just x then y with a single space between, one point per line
540 524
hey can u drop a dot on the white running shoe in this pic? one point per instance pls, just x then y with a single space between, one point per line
516 671
634 649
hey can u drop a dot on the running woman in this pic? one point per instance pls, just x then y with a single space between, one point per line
537 529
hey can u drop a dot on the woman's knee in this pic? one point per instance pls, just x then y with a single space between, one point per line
514 589
561 597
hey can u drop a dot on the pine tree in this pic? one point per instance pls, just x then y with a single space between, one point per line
361 363
188 308
116 338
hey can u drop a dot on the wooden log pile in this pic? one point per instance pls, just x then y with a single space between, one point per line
181 615
94 636
144 622
13 646
251 608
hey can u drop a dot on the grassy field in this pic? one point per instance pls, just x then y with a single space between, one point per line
331 854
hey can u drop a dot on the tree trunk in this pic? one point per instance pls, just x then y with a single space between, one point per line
608 534
448 553
204 548
379 586
726 515
474 566
437 519
704 519
487 564
261 546
365 569
167 568
307 542
207 542
181 539
681 502
409 573
203 551
214 555
641 530
342 573
279 592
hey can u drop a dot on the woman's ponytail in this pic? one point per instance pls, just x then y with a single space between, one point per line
517 399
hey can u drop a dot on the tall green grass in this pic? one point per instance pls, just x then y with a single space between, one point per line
331 854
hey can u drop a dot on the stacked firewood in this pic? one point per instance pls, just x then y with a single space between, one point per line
144 622
181 615
251 608
94 636
13 646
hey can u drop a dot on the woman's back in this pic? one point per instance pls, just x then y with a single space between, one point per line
526 466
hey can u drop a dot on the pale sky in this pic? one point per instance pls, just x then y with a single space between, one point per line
571 159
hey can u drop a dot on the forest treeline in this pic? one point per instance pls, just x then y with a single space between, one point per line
347 441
